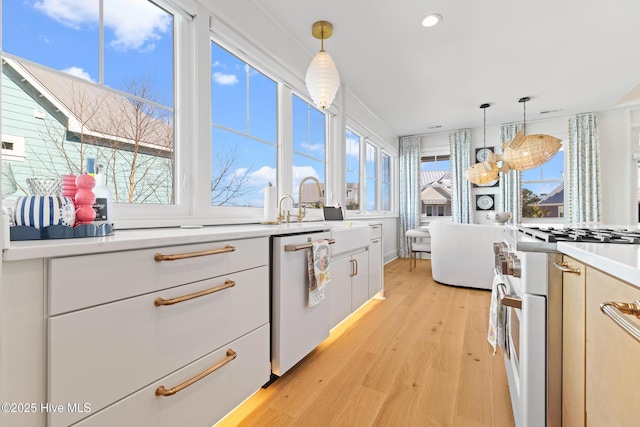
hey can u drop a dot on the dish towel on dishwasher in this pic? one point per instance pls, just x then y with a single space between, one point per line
318 267
497 335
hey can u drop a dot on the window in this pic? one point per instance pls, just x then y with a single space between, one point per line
102 85
371 176
243 131
352 175
13 147
435 186
543 189
308 152
386 182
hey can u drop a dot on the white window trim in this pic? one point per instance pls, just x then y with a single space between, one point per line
17 153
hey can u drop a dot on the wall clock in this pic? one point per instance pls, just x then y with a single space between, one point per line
481 153
484 202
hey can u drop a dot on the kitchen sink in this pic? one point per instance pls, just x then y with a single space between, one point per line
349 237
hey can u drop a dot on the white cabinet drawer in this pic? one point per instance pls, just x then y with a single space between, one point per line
204 402
85 281
101 354
375 231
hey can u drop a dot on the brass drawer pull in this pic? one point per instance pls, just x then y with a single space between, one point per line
161 301
615 310
564 267
161 257
293 247
161 391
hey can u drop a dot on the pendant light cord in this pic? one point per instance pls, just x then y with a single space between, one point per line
524 109
484 125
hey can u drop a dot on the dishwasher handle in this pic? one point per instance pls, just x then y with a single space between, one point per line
294 247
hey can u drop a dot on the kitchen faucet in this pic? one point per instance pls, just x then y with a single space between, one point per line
280 215
301 209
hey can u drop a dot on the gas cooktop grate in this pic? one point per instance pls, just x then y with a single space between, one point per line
588 235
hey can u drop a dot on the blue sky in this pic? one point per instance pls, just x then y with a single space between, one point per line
64 35
138 45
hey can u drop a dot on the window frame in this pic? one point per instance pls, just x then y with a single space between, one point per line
426 157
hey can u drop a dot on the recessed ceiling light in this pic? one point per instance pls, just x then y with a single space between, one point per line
431 20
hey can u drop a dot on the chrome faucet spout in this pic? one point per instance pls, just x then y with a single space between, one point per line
301 212
280 214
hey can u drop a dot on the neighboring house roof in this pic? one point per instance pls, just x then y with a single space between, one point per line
90 109
435 196
432 177
435 187
554 198
310 193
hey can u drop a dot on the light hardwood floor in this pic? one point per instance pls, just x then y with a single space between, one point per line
418 358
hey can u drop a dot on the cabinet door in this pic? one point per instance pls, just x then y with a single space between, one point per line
375 267
360 280
612 355
573 343
339 290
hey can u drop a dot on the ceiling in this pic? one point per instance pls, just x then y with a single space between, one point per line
568 56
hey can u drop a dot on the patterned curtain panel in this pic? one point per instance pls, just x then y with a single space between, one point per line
409 189
510 182
460 152
583 155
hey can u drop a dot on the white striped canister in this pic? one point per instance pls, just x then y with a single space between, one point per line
42 211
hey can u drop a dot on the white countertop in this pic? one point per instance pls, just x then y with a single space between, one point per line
618 260
123 240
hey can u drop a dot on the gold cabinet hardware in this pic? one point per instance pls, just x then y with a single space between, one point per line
615 310
173 257
293 247
161 391
161 301
351 274
564 267
375 241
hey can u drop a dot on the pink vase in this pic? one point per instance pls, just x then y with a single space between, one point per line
69 188
84 199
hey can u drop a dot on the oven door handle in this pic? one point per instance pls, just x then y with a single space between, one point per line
503 298
507 300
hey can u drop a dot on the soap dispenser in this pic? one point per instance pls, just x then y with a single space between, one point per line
104 203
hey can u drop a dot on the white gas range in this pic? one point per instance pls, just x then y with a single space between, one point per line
531 268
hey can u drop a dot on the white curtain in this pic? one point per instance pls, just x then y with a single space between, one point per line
583 153
460 152
510 182
409 189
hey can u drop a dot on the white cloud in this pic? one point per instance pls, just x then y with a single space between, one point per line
224 79
262 177
78 72
136 24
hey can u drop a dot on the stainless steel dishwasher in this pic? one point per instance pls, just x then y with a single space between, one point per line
296 328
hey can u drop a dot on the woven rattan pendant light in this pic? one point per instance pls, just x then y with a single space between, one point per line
529 151
486 171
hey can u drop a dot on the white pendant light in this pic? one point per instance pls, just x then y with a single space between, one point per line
322 77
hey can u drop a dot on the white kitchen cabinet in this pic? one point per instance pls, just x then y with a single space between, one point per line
339 291
202 403
349 286
106 329
376 264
